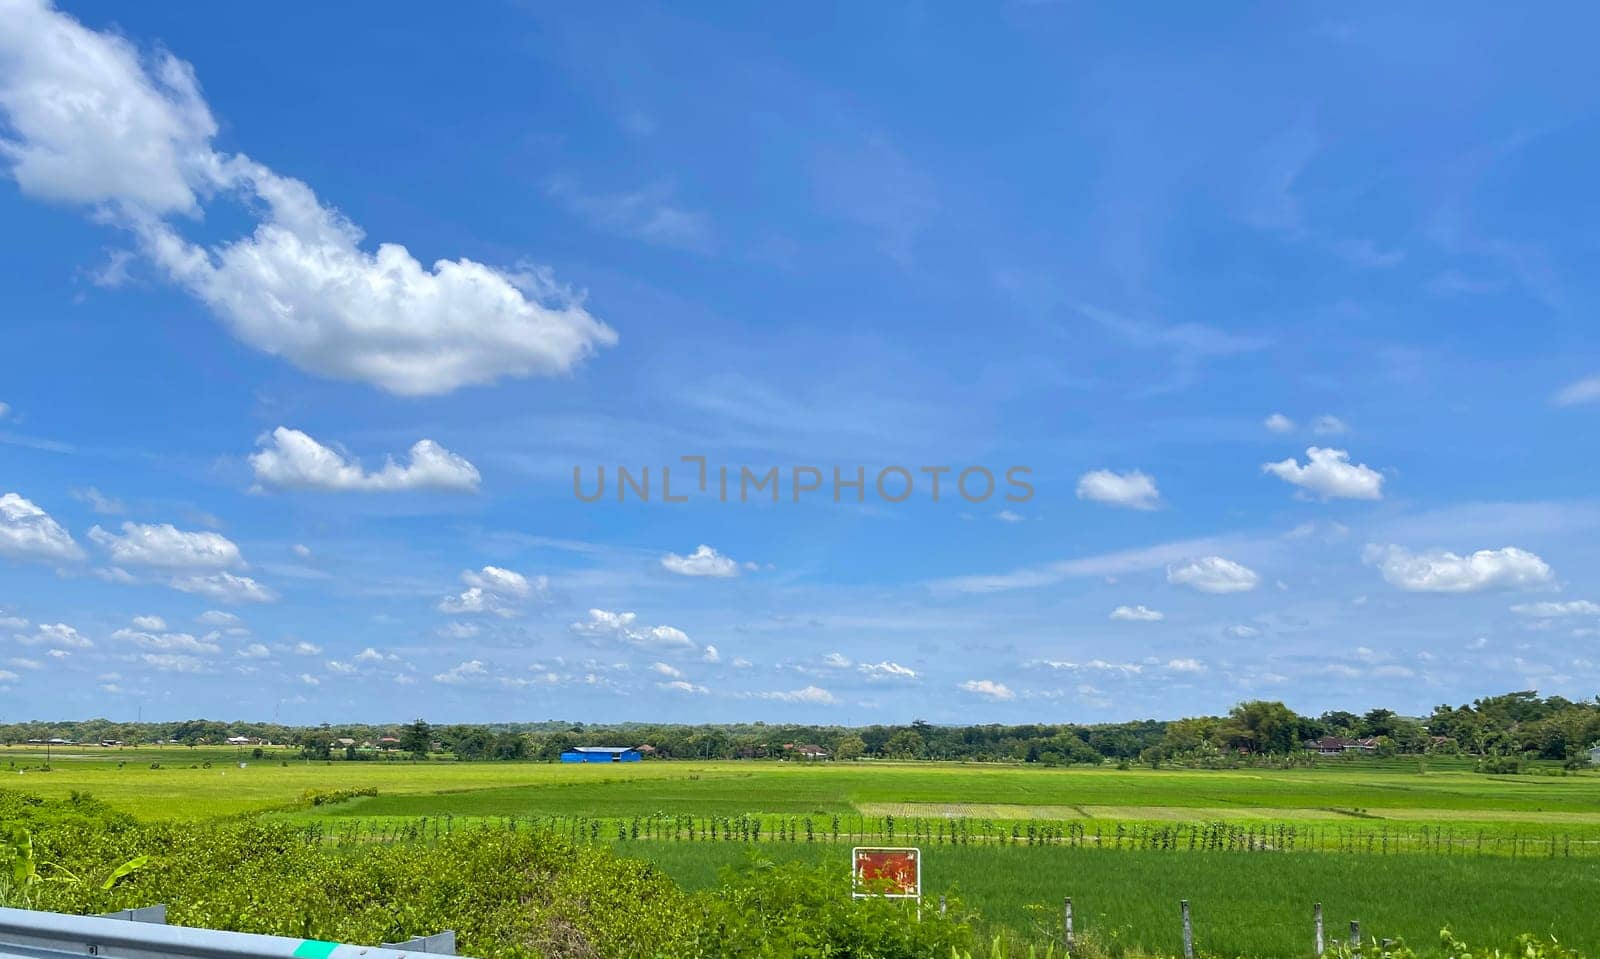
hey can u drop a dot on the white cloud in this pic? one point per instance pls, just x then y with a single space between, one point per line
1577 607
1444 572
1242 631
710 654
7 676
704 561
153 623
216 617
99 502
643 215
887 670
310 680
604 624
175 663
370 655
1186 665
1278 423
672 672
1138 614
1213 574
4 410
989 689
683 686
1008 516
93 123
254 651
291 459
458 630
1582 391
813 695
304 648
168 642
165 546
1133 489
1329 474
494 590
1327 425
301 550
28 532
55 634
225 588
1097 665
836 661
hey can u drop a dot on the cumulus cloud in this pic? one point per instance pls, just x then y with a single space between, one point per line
812 695
887 670
225 588
493 590
168 642
149 622
1133 489
704 561
165 546
216 617
1186 665
710 654
1577 607
684 686
989 689
1213 574
1138 614
1278 423
290 459
28 532
604 624
1329 474
1445 572
1328 425
837 661
671 672
55 634
94 123
254 651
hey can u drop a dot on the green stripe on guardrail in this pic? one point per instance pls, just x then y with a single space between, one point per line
314 949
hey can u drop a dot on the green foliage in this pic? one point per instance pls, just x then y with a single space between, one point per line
330 797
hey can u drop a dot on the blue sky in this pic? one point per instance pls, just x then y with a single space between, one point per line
308 320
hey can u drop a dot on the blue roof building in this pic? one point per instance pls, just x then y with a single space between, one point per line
601 754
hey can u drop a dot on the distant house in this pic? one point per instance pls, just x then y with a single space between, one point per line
344 741
1594 755
240 741
810 752
388 742
601 754
1334 745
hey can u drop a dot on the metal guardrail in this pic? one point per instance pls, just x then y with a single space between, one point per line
143 934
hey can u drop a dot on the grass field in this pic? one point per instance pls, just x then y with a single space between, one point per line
1255 903
1243 904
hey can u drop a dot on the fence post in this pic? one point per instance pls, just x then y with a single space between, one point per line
1188 930
942 906
1066 919
1316 913
1355 937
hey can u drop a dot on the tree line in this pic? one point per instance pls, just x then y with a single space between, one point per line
1514 725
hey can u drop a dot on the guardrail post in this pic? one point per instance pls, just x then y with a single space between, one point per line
1188 930
1316 914
1066 919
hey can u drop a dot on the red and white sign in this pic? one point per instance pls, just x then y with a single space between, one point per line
891 872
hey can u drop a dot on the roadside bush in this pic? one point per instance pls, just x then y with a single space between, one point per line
329 797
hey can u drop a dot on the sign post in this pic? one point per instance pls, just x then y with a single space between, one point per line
892 872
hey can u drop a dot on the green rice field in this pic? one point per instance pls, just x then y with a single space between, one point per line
1404 847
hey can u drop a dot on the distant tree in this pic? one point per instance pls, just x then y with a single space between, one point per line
849 747
417 739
